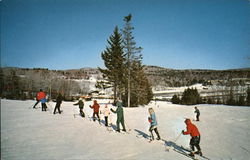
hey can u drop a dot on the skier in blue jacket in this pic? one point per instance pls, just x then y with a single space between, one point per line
153 124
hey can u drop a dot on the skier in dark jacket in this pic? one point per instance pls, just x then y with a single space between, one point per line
58 103
120 117
195 137
81 105
197 113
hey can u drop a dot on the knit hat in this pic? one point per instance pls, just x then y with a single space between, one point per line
187 121
119 104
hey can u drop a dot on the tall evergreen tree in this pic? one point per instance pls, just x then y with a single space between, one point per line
141 91
133 57
114 62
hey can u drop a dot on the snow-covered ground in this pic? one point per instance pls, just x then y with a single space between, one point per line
32 134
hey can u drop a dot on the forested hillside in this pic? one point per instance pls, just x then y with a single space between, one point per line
20 83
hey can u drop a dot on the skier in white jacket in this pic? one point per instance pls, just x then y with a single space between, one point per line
106 113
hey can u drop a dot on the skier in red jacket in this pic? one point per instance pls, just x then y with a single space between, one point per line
195 137
41 96
37 101
95 107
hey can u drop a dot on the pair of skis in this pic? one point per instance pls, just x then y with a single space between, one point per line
184 151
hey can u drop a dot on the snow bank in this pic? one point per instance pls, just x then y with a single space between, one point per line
32 134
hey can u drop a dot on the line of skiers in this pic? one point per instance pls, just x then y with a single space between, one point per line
191 129
106 112
41 97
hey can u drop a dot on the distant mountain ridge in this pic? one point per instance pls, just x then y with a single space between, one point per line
26 82
158 76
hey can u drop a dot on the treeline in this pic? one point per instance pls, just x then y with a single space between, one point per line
19 83
191 96
164 77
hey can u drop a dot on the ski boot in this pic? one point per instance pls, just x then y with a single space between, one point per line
191 154
199 153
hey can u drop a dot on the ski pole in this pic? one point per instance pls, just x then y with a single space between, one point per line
168 148
177 137
127 126
50 107
31 106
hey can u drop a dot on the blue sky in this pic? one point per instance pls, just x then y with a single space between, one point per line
179 34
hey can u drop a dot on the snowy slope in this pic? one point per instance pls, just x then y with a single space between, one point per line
32 134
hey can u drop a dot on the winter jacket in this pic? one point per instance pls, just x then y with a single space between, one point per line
40 95
96 107
197 111
80 103
43 100
191 129
152 120
119 111
59 99
106 112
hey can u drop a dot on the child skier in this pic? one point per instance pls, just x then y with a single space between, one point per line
195 137
95 107
81 105
106 113
153 124
197 113
120 117
42 98
58 103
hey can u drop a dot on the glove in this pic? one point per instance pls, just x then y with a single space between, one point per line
149 120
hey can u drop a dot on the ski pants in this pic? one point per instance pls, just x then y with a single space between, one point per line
118 121
58 108
97 114
106 120
154 128
44 106
195 142
197 117
36 103
82 113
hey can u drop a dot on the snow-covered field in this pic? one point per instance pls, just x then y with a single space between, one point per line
29 134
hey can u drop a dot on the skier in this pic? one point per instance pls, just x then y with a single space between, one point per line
42 98
95 108
120 116
37 99
197 113
58 103
106 113
153 124
81 105
195 137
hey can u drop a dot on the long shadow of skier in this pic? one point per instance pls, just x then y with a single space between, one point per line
141 134
111 125
166 143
